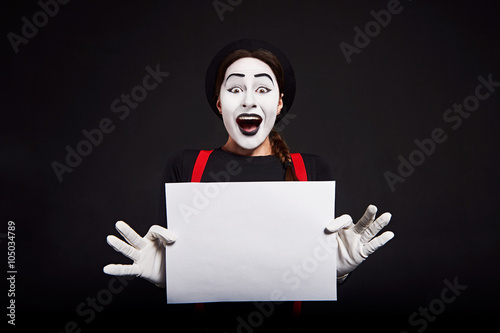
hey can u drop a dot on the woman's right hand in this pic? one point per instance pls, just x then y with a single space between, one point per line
148 252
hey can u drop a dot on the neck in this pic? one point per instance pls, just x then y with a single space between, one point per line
263 150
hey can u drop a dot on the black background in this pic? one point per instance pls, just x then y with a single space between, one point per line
360 116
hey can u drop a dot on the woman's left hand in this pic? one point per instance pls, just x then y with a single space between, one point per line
356 241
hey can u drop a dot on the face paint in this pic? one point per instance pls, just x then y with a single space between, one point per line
249 98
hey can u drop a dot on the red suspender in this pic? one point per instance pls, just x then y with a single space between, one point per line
201 162
300 168
300 172
199 165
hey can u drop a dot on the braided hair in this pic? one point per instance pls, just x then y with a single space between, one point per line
282 152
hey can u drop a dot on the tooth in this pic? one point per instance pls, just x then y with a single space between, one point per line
249 117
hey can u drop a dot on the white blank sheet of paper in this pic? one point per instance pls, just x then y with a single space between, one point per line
250 241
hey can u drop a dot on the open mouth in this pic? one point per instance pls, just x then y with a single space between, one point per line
248 123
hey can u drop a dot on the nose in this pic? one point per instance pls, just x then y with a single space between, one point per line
248 100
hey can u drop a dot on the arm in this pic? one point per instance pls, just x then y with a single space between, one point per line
355 241
148 252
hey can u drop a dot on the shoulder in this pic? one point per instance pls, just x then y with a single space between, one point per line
179 165
181 155
317 167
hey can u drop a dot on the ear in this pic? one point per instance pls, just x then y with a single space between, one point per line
280 104
218 105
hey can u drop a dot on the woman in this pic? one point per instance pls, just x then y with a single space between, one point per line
250 85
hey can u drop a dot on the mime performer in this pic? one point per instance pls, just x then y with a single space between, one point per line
250 85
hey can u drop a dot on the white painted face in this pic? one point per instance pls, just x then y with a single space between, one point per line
249 101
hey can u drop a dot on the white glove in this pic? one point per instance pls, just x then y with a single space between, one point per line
148 252
355 241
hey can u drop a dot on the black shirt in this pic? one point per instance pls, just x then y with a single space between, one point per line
223 166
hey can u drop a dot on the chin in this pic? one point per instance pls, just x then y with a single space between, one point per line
250 142
248 145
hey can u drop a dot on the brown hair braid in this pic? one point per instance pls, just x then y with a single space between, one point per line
281 151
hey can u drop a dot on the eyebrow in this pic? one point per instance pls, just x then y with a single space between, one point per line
235 74
256 75
264 74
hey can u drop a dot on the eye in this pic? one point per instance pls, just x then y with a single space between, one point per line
235 90
263 90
